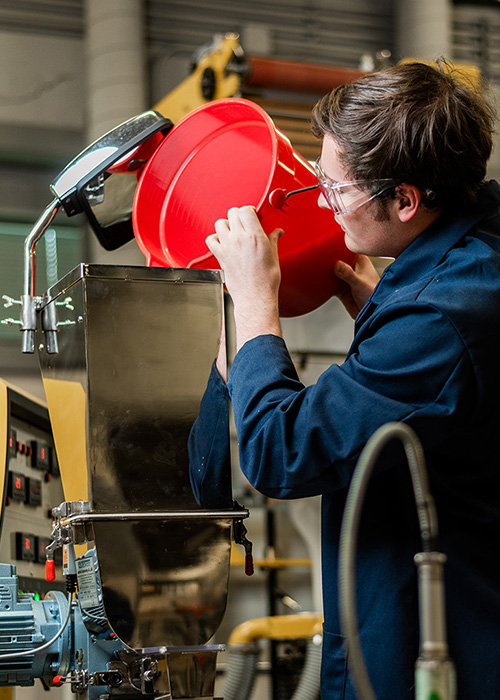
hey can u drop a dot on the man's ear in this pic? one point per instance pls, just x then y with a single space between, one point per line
408 198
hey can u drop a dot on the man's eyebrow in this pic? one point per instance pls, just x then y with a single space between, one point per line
330 180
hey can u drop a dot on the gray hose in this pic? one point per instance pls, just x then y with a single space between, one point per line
308 687
348 536
241 671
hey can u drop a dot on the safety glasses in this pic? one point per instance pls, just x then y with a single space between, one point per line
345 197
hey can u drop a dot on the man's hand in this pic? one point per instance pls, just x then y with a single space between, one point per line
249 259
359 282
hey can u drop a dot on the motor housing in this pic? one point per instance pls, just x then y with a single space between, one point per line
26 623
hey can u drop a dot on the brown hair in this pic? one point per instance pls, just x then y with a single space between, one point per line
412 123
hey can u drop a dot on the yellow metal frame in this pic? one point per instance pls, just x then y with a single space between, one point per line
67 409
465 74
188 95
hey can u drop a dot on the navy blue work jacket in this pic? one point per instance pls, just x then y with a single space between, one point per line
426 352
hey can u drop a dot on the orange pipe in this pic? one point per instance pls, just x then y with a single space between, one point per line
299 77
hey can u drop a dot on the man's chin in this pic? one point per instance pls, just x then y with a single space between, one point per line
350 244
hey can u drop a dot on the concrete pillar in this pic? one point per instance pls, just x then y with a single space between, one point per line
423 29
116 86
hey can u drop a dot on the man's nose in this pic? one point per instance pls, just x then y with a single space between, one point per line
322 203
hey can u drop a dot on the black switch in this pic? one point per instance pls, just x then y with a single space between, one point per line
34 492
54 462
12 442
25 547
41 544
16 488
40 455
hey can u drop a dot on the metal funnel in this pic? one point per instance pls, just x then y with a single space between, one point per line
135 349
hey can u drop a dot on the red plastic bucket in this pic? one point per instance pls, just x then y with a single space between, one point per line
229 153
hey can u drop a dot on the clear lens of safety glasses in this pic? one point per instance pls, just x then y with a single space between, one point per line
345 197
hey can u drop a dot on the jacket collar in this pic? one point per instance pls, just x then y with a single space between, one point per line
431 246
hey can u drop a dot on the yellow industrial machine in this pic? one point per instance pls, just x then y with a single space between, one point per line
216 75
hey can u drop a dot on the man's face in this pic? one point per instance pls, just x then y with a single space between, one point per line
363 232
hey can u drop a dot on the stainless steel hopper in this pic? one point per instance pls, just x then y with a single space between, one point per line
135 347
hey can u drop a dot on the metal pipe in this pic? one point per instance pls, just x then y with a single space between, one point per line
434 670
299 77
28 308
82 518
433 642
276 627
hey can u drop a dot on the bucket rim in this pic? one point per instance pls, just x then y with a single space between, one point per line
154 246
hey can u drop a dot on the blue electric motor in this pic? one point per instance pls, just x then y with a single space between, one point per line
25 623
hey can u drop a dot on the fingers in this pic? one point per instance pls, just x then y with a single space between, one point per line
362 272
214 242
360 279
275 235
364 266
273 239
244 220
213 245
240 220
241 231
221 227
344 272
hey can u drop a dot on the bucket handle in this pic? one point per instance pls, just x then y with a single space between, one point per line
277 198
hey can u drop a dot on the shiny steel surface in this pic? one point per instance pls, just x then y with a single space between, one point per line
140 343
28 303
124 390
164 583
180 672
90 518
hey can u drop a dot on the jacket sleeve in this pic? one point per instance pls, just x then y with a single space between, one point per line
298 441
208 448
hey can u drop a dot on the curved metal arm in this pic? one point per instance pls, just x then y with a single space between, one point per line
28 306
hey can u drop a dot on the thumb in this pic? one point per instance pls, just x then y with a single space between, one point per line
344 271
275 235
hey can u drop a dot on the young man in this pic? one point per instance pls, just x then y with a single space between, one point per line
402 165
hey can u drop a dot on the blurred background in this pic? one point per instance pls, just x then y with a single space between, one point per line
70 70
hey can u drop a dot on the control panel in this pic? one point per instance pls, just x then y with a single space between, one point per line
31 488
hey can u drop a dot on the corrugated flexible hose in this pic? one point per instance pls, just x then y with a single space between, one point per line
241 671
310 678
242 668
